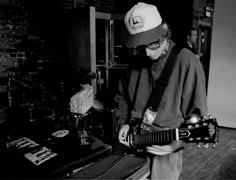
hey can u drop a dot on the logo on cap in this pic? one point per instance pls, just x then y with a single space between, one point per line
136 22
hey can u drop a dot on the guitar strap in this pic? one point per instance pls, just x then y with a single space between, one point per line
163 80
158 90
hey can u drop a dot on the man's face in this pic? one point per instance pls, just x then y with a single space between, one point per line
193 37
154 50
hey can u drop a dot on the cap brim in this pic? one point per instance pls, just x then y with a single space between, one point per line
145 37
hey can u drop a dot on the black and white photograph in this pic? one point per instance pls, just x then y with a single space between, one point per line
118 90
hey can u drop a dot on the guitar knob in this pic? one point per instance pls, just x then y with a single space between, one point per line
204 118
206 146
192 120
190 126
190 139
210 116
198 138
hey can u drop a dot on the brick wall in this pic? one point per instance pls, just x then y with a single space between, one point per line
32 29
13 28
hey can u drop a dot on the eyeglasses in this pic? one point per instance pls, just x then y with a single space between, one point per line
154 45
141 49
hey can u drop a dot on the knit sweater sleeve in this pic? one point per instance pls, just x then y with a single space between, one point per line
194 102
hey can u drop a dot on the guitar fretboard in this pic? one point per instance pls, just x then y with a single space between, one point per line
158 137
205 131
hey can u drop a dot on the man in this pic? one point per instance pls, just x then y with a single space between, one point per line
191 41
183 99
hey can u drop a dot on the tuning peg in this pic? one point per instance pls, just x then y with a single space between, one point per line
210 116
213 145
198 145
190 126
206 145
204 118
192 120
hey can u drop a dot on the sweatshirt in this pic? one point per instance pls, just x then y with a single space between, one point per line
184 96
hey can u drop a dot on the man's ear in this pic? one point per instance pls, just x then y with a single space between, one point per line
188 37
165 26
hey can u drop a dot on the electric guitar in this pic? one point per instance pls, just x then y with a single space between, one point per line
205 131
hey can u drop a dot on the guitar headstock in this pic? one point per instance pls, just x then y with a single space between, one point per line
204 131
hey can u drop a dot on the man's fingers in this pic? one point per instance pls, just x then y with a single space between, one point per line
124 142
121 141
122 135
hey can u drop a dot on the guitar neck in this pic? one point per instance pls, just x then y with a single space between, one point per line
205 131
158 137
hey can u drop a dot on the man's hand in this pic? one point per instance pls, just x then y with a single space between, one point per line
123 132
164 150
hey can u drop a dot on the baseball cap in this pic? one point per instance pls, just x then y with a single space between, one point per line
143 23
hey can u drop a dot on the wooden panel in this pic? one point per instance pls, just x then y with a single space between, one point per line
211 164
222 86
